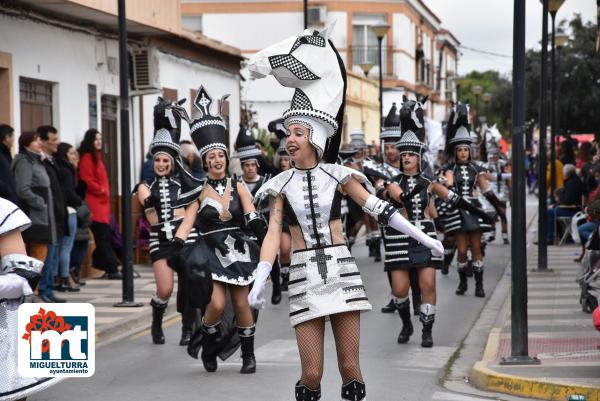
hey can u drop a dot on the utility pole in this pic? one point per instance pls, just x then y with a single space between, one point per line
305 14
127 268
519 333
542 158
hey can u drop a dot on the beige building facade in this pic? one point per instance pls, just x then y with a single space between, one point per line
419 56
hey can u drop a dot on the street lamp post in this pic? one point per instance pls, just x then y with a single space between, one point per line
305 8
127 269
458 83
476 91
553 6
542 265
486 97
366 68
560 40
380 31
519 333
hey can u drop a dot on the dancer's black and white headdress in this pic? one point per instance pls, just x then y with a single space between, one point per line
168 115
163 143
245 146
311 64
462 137
278 128
282 150
357 139
209 131
410 143
391 127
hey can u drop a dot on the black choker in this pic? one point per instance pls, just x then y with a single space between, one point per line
218 185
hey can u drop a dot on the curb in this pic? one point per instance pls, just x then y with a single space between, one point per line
486 379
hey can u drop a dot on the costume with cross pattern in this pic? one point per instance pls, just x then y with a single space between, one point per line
166 190
399 247
465 180
220 221
324 278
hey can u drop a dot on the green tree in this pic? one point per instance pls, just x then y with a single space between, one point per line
578 85
497 111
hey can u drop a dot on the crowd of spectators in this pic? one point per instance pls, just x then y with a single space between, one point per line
65 192
577 185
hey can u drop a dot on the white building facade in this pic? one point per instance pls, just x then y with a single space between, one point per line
419 57
57 72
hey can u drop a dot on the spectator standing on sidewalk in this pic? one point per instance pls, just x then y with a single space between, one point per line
66 159
7 181
35 197
82 236
93 173
50 140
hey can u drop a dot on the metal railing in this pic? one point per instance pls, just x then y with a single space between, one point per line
370 54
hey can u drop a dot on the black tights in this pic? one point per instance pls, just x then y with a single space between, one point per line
311 335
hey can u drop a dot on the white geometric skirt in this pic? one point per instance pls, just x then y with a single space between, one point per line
324 281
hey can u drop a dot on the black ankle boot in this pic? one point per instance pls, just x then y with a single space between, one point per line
209 353
377 249
448 257
186 336
158 311
303 393
354 391
285 276
75 276
469 268
188 320
371 249
426 338
479 284
427 317
462 285
407 327
247 339
65 285
390 307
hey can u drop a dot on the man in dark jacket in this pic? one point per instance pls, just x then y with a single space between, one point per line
50 141
7 181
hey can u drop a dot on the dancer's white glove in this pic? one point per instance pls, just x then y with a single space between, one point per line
13 286
399 223
256 297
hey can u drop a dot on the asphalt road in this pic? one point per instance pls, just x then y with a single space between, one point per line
135 369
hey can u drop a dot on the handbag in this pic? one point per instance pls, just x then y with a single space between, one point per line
418 254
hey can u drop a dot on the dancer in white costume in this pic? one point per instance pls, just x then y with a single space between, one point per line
19 275
324 280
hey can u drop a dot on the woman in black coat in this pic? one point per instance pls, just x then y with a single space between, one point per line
66 159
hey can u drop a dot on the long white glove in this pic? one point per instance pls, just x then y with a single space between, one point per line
13 286
399 223
256 297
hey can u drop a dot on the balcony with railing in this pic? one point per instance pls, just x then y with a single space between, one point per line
370 54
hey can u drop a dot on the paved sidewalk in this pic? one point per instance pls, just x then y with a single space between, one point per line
113 323
560 335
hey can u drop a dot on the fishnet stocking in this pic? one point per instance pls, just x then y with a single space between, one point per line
310 336
346 331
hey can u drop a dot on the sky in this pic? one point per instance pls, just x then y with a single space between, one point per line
487 25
